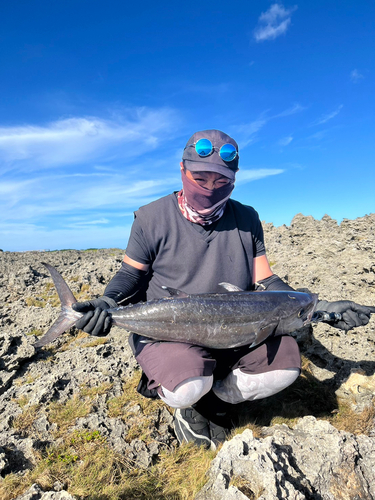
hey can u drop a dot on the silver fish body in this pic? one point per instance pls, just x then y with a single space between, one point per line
213 320
220 320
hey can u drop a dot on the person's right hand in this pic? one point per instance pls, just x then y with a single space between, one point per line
95 320
352 314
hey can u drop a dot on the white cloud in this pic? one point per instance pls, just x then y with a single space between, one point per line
246 133
356 76
326 117
318 136
273 23
296 108
84 223
75 140
48 196
62 195
285 141
244 176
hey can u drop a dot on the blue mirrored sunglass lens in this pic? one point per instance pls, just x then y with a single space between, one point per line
228 152
203 147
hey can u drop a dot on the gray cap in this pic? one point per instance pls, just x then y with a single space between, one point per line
213 162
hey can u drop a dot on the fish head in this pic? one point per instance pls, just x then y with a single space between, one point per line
298 312
311 309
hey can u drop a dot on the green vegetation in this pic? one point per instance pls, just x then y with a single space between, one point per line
244 486
97 341
91 469
65 414
92 392
25 420
346 419
22 401
307 396
36 332
136 411
32 301
50 296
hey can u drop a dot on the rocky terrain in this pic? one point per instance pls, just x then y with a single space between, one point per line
311 459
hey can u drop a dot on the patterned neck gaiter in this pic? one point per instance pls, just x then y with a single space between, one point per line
200 205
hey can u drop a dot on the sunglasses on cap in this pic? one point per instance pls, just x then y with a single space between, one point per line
204 148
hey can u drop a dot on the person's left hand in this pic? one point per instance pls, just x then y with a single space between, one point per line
95 319
352 314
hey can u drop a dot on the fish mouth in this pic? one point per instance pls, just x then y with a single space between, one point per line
311 312
309 317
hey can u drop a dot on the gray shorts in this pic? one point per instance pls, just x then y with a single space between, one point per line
170 363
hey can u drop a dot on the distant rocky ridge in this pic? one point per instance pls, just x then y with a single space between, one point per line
313 460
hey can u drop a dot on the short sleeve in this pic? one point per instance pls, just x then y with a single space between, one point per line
138 248
258 237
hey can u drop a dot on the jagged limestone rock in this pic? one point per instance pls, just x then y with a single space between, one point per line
36 493
311 461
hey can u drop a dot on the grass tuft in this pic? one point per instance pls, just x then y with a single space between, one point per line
245 487
23 422
65 414
94 343
346 419
135 410
89 468
307 396
98 390
36 332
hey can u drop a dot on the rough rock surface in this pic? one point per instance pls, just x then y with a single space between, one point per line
36 493
313 460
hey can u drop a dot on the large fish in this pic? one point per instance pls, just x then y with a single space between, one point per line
213 320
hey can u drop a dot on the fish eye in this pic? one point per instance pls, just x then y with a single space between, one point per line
301 313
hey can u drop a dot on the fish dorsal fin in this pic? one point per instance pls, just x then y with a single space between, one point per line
174 292
231 288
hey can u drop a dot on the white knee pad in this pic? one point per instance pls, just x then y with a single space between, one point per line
239 386
187 392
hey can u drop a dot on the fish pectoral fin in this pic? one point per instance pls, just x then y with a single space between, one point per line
231 288
175 292
264 333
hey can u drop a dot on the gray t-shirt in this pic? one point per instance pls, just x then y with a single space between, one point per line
193 258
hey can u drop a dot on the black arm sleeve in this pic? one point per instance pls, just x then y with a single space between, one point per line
272 283
126 283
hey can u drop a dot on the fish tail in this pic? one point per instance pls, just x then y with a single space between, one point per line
67 316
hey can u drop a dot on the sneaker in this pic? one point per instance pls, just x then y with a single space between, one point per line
218 434
191 426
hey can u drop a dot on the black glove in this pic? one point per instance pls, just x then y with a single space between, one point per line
352 314
96 321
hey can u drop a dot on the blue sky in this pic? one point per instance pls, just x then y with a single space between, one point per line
99 98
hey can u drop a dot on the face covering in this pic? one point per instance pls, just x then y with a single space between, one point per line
201 205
